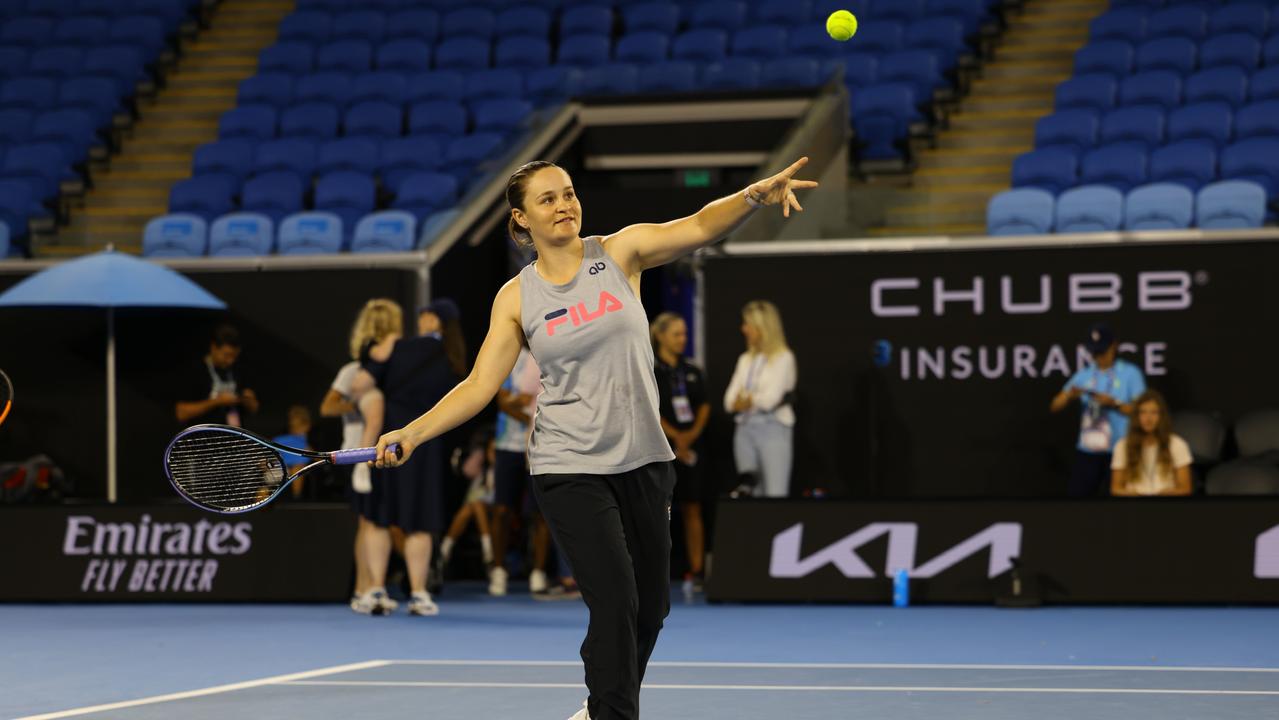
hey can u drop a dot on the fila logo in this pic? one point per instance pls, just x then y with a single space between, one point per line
1002 539
579 315
597 268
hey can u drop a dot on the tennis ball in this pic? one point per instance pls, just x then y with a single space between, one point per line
841 25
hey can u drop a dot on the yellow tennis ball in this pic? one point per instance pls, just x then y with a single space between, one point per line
841 25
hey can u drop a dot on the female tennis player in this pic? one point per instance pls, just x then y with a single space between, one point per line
599 460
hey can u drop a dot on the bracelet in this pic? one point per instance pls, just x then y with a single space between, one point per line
754 201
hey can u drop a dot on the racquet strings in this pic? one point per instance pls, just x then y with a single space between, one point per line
225 471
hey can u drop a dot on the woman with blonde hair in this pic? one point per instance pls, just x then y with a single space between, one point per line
355 398
1150 460
760 397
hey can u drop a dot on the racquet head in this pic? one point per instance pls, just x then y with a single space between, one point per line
224 469
6 396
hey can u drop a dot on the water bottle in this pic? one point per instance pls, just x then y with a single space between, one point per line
901 588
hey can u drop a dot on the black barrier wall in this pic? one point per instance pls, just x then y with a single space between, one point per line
1104 551
175 553
929 373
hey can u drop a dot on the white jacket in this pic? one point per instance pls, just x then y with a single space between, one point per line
767 380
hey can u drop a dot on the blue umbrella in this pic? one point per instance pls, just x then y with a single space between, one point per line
109 280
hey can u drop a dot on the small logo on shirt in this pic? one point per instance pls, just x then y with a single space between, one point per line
597 268
579 315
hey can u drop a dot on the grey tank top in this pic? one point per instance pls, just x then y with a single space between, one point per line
597 413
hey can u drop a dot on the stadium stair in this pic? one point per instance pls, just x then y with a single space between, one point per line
184 114
995 122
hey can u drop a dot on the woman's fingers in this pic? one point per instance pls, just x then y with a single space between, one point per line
803 184
795 166
795 201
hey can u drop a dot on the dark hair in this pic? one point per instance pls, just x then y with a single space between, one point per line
454 346
226 335
515 189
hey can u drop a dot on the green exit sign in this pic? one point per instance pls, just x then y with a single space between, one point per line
697 178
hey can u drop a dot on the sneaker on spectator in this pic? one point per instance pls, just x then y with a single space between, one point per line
373 602
537 582
582 714
497 582
559 591
384 601
422 604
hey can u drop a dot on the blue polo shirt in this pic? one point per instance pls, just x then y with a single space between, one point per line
1124 382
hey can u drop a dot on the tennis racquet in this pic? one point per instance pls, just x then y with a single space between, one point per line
229 470
6 396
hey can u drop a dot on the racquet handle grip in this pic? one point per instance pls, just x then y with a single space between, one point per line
359 455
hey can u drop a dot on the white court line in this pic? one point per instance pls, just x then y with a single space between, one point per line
846 666
792 688
207 691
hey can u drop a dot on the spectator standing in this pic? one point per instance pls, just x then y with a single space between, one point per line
760 397
216 396
1151 460
684 410
1105 389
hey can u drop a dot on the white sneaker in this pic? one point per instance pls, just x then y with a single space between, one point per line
384 601
581 714
537 582
373 602
422 604
497 582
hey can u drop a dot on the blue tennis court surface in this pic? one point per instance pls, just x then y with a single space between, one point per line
516 658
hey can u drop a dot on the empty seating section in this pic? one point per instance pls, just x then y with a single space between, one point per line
67 70
395 106
1175 105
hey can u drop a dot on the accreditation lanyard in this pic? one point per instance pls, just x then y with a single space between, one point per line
679 396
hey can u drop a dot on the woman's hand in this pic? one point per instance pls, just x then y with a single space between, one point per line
780 188
407 443
742 403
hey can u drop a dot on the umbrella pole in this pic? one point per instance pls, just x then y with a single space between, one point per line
111 467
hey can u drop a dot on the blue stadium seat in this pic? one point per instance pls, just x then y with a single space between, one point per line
611 79
15 206
386 231
781 11
1142 124
207 196
357 154
171 14
662 17
351 56
462 53
821 9
144 31
405 156
943 34
1259 119
55 62
888 37
1240 17
642 48
905 10
670 76
32 93
82 30
1184 21
502 116
373 119
1023 211
1237 49
315 120
524 21
586 20
1157 87
731 74
423 193
15 125
120 63
241 234
761 42
287 57
248 121
295 155
308 26
583 51
333 88
1114 56
811 41
4 238
438 116
177 235
435 85
919 68
794 73
1190 163
403 55
13 60
1090 208
860 69
1178 54
1121 166
1270 51
1159 206
1073 129
496 83
522 52
704 45
274 194
27 31
1051 169
367 25
729 15
462 155
473 22
1127 23
882 115
348 194
42 166
228 157
1264 84
1096 91
378 86
417 23
1230 204
94 95
1211 121
969 12
73 130
1227 84
545 86
266 89
1255 159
